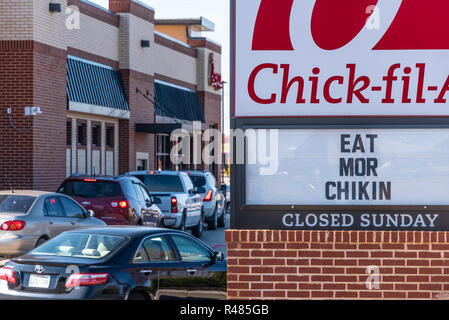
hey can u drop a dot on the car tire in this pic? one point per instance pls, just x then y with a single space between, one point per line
222 220
40 241
213 221
182 227
197 231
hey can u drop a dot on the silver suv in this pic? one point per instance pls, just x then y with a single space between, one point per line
213 200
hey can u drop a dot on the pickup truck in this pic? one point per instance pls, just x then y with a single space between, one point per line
173 192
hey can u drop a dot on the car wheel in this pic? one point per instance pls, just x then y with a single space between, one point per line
40 241
197 231
136 296
182 227
222 219
213 222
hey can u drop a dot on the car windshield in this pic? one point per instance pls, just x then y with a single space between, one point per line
91 189
198 181
81 245
163 183
15 204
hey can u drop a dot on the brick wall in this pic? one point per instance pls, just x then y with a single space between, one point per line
16 82
266 264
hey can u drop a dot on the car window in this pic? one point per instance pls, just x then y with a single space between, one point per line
138 191
198 181
128 189
15 204
80 245
53 207
163 183
145 193
72 210
91 189
158 249
190 250
141 256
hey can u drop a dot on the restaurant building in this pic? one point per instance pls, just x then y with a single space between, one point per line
107 88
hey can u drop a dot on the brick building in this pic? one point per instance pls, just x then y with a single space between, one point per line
111 85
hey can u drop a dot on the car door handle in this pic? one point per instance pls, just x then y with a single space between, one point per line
192 271
50 222
73 223
86 203
146 271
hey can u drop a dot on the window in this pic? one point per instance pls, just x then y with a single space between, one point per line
96 136
158 249
72 210
81 134
190 250
163 152
128 189
80 245
142 165
15 204
139 193
110 137
69 133
85 189
53 207
163 183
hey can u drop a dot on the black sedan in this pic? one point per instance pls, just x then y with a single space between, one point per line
134 263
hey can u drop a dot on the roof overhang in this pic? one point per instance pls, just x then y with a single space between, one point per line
155 128
198 24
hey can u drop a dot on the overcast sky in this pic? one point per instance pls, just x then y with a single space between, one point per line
215 10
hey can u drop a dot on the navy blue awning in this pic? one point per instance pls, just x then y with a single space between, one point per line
177 103
95 84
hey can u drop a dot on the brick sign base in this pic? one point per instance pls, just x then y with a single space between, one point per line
269 264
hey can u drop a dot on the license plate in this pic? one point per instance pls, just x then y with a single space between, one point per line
37 281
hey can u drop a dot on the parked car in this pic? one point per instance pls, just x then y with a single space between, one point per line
131 263
121 200
174 192
206 185
226 190
29 218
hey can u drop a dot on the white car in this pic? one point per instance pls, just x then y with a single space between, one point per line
213 200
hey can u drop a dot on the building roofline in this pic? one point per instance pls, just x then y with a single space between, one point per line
201 23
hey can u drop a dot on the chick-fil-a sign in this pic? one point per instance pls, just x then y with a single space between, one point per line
341 58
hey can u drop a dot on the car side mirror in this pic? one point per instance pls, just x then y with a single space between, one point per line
90 213
219 256
223 188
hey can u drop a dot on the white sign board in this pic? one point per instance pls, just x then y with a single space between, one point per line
341 58
354 167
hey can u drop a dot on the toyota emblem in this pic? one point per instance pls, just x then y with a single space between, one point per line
39 269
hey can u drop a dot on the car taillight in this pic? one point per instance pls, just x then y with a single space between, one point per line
15 225
7 274
174 205
121 204
86 279
208 196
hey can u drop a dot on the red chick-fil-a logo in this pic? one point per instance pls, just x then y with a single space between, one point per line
215 78
418 25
